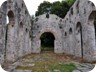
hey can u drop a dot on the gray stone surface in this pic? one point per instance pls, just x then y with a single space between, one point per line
76 71
15 40
75 34
22 71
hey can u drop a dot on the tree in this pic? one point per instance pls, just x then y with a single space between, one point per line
58 8
43 8
70 2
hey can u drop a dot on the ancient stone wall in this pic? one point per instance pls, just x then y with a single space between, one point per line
43 24
75 34
18 40
81 42
3 10
76 31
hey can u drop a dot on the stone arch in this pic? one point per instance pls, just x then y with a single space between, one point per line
79 41
11 18
70 31
21 25
57 41
53 32
78 27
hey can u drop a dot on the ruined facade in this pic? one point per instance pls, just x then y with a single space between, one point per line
75 34
15 40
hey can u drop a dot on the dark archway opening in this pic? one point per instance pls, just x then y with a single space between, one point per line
47 41
11 18
95 27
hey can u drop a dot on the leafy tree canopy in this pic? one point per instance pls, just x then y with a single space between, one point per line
58 8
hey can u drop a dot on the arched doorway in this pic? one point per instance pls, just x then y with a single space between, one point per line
79 39
47 42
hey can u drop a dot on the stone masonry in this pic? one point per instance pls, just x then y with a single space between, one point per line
75 34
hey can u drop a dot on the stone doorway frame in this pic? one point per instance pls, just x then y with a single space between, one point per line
57 42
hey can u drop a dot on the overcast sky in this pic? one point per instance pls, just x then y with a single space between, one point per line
32 5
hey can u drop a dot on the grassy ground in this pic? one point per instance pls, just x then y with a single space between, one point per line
49 62
46 49
46 61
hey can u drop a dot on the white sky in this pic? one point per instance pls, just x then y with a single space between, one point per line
32 5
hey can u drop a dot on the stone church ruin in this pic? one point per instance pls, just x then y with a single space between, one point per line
74 35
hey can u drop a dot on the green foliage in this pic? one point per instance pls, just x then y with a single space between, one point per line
58 8
43 8
70 2
63 67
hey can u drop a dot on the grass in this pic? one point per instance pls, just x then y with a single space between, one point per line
47 49
50 63
24 67
62 67
47 62
41 67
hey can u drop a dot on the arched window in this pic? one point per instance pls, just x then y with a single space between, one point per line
21 25
11 18
70 31
78 28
